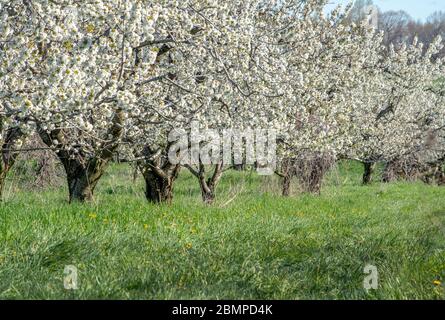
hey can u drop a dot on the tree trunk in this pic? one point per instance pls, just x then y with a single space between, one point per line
388 175
207 191
80 190
82 179
314 185
84 171
8 157
440 176
368 173
288 172
286 185
159 174
159 187
208 186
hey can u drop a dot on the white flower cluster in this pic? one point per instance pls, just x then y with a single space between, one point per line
325 85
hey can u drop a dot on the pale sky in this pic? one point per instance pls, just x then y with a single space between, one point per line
418 9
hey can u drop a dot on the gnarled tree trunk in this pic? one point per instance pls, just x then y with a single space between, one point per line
82 178
441 179
159 175
84 171
157 188
440 175
317 167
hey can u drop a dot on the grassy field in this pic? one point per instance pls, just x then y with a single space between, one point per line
252 244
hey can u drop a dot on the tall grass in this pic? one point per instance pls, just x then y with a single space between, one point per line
251 244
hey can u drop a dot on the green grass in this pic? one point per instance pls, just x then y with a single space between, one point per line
252 244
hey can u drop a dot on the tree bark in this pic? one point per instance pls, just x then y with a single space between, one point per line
368 173
317 170
208 188
314 186
440 174
208 195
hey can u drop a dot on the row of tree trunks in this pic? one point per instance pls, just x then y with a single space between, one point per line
392 171
414 170
314 185
239 167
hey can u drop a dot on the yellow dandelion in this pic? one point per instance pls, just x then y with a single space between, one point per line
92 216
188 245
145 226
437 282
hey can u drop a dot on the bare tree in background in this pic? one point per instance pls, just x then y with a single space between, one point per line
395 25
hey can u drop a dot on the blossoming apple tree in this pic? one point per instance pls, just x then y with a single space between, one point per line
400 113
320 61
